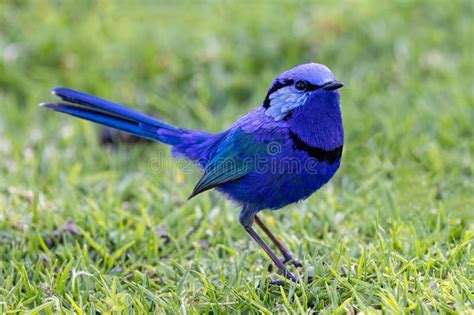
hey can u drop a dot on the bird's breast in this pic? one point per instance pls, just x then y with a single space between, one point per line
281 180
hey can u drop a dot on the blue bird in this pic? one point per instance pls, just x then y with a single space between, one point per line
276 155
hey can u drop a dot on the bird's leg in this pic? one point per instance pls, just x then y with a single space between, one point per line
275 259
283 250
246 218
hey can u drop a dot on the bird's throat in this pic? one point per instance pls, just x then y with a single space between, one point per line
318 124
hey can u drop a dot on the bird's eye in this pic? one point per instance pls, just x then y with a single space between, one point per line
300 85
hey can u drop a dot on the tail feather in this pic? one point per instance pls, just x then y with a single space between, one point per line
99 104
194 145
114 115
104 119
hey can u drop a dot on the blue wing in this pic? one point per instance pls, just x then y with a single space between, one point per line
236 157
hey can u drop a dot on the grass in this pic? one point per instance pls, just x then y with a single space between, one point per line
87 229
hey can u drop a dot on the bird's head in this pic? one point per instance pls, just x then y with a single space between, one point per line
293 88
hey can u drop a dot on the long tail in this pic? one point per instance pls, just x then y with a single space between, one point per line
114 115
195 145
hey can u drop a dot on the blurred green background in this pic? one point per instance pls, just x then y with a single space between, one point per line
392 232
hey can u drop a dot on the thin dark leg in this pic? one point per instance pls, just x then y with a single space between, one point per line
246 218
283 250
276 261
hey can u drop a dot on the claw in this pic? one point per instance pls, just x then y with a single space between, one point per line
294 262
278 282
297 264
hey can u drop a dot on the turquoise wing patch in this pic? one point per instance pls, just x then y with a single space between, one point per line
235 158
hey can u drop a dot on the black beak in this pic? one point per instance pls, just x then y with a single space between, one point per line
334 85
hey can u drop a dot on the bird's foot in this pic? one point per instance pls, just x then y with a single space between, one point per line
295 263
278 282
281 282
291 260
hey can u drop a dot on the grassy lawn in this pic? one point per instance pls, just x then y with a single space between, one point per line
91 229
